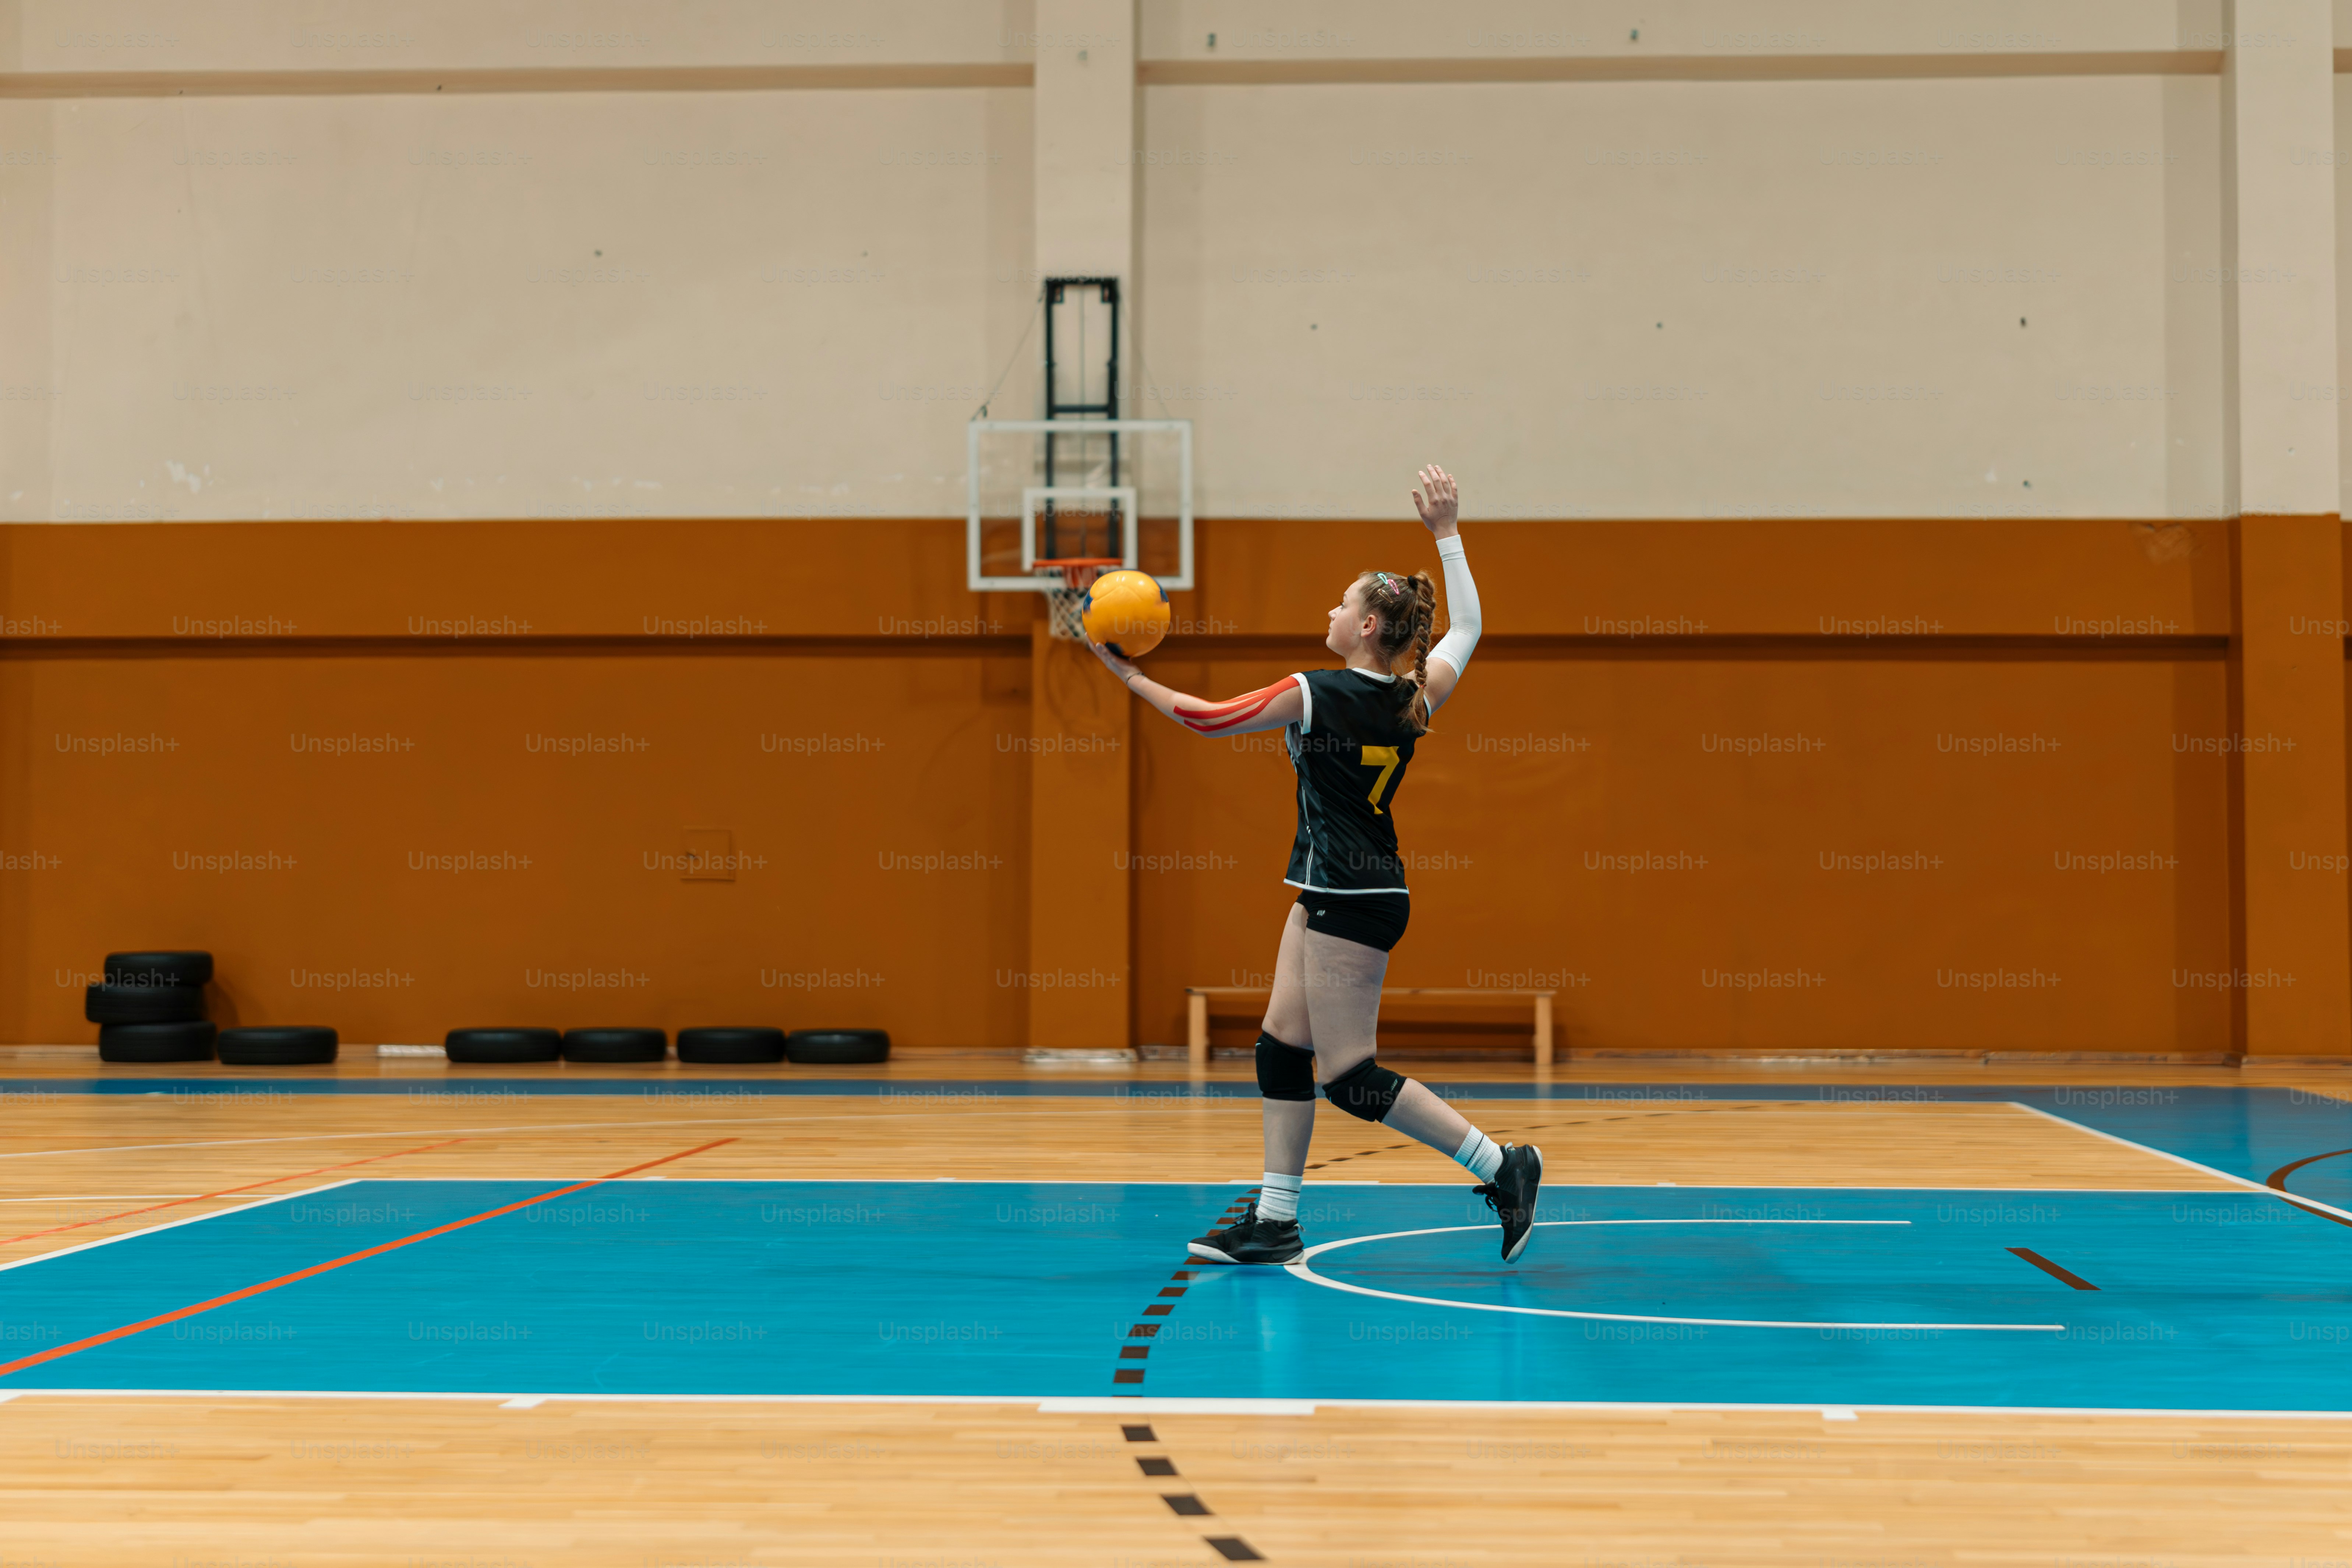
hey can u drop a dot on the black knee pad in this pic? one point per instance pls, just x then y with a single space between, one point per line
1284 1072
1366 1090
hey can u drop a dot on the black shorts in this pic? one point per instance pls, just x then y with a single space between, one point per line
1375 920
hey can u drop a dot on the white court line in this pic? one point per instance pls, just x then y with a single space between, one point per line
2247 1183
173 1225
1302 1270
98 1197
1112 1404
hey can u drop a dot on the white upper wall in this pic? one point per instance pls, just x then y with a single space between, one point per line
297 34
294 35
1293 29
653 304
1936 299
2340 157
1644 298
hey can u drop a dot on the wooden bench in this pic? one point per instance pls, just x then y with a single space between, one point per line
1196 1004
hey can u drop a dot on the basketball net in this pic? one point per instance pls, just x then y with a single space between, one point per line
1065 605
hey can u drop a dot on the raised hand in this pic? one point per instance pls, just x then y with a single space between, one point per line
1439 502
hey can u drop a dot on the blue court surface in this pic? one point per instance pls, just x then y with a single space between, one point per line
2236 1301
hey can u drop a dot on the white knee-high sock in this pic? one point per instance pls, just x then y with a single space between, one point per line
1481 1153
1278 1198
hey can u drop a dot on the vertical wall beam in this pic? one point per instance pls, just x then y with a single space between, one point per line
2293 923
1081 821
1080 978
1086 120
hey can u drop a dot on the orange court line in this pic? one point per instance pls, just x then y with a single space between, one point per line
225 1191
55 1352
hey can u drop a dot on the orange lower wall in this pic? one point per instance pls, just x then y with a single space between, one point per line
1568 819
883 837
873 769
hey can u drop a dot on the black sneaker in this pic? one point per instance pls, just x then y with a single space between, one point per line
1250 1239
1512 1196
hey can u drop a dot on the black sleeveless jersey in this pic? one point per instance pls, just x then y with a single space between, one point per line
1351 749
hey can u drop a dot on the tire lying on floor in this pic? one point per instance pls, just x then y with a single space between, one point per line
184 1042
616 1046
276 1045
731 1044
838 1046
504 1044
142 1004
153 969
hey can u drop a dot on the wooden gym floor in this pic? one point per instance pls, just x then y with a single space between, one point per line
377 1465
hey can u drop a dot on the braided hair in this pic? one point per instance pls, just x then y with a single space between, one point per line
1407 608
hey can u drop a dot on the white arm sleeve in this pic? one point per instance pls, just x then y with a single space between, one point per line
1461 607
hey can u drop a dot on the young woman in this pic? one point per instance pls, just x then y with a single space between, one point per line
1351 734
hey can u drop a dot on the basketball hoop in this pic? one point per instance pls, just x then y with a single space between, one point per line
1067 605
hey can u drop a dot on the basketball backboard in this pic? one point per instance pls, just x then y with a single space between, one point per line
1047 490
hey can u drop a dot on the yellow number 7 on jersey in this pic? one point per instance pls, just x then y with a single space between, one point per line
1385 759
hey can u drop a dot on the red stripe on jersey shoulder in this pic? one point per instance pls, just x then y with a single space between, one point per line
1223 715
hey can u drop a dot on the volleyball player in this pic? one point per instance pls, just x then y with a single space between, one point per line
1350 733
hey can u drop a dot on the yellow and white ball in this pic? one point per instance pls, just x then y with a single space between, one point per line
1126 611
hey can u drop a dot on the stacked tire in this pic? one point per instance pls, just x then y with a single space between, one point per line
836 1046
738 1046
150 1007
616 1046
731 1046
502 1046
279 1045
